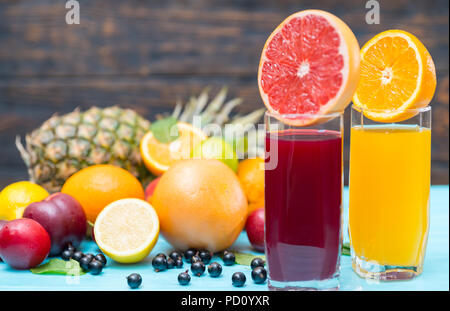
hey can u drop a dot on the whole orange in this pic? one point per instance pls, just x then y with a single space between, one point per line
200 204
98 185
251 175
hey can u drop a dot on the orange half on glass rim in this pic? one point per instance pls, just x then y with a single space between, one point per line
309 67
397 77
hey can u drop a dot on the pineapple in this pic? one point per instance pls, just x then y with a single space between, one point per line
65 144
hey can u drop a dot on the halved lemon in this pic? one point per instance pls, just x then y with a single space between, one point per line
397 77
127 230
158 157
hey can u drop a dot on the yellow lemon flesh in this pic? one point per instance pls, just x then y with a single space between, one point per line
127 230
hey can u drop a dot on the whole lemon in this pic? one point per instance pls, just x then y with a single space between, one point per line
98 185
17 196
200 204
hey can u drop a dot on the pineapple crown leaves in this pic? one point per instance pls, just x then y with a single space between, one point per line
217 111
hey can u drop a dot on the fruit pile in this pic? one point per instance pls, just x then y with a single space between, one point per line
198 193
88 171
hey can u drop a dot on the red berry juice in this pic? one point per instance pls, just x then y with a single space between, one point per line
303 198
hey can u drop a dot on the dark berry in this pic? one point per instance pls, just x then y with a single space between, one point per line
70 247
95 267
85 261
66 254
161 255
179 263
214 269
159 263
238 279
259 275
257 262
77 256
170 263
195 258
228 258
134 280
184 278
198 268
189 254
90 256
175 255
205 256
100 257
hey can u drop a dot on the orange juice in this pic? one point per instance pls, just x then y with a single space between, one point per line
389 193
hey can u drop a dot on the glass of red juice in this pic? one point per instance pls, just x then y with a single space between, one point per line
303 200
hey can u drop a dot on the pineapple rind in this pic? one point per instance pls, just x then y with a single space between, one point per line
65 144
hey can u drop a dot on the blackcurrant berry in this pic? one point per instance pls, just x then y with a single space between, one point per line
162 255
159 263
77 256
198 268
175 255
259 275
170 263
189 254
134 280
70 247
100 257
184 278
205 256
90 256
238 279
85 261
257 262
66 254
179 263
228 258
195 258
214 269
95 267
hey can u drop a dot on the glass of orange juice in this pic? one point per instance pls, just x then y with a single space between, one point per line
389 194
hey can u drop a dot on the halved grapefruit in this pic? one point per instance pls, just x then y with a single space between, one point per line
309 65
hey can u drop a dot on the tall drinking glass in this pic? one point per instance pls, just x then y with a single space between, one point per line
389 194
303 201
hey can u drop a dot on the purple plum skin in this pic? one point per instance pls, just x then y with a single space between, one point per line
62 217
2 223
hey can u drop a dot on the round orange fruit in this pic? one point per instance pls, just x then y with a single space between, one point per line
200 204
99 185
251 175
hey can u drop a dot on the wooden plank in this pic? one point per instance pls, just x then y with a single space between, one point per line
135 38
143 55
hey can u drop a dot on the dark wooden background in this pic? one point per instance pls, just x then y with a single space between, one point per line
143 54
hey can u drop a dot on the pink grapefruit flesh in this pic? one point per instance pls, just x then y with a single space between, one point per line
309 66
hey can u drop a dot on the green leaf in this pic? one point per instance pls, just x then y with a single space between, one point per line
245 258
165 130
59 267
345 249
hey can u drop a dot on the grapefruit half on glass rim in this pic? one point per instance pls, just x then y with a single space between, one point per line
309 67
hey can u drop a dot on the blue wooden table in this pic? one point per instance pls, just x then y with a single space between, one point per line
434 277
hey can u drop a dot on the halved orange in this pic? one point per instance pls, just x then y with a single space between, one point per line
397 76
158 157
309 66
